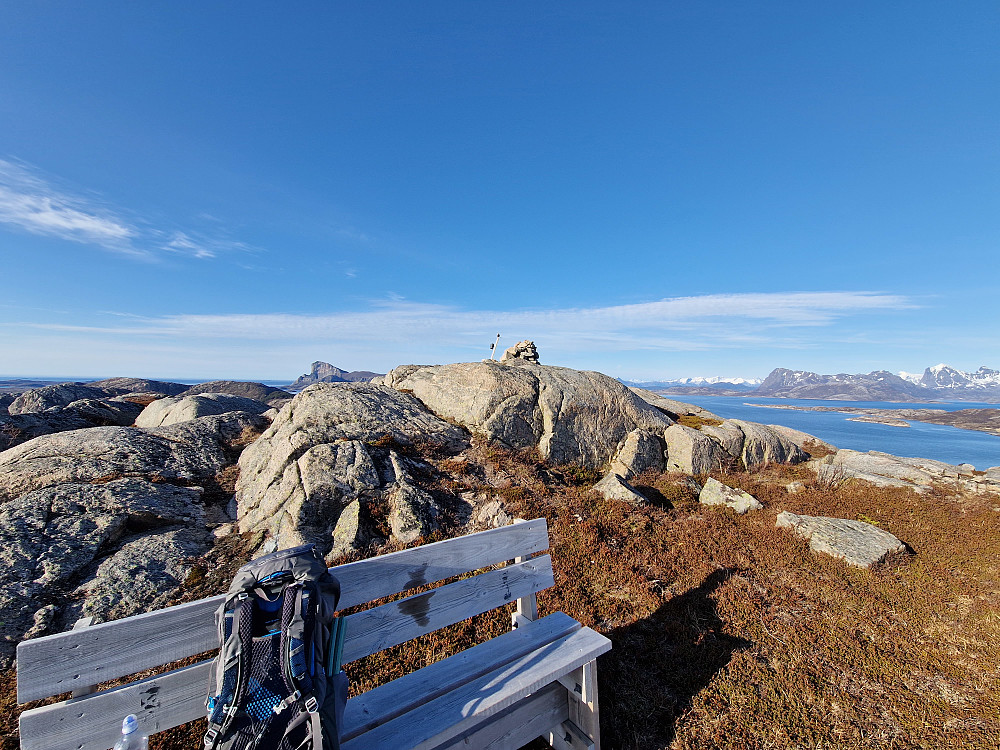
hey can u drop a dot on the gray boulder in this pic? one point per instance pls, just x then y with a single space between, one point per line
328 449
614 487
54 539
39 399
190 451
572 416
168 411
855 542
689 451
640 452
716 493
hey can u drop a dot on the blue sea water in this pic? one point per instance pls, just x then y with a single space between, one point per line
952 445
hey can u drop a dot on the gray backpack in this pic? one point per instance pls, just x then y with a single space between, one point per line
277 678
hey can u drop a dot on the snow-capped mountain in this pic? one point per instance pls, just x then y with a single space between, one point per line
710 385
943 376
938 382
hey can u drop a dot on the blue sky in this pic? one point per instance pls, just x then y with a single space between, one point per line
653 190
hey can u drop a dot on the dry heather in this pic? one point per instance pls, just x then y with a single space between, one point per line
729 633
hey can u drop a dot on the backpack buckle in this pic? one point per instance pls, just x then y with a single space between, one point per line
312 705
210 736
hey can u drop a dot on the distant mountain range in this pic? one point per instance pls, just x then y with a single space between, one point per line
938 383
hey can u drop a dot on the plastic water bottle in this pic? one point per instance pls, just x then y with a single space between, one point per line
131 739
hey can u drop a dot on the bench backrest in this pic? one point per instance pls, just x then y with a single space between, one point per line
76 660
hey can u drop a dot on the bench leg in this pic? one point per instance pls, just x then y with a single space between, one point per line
583 729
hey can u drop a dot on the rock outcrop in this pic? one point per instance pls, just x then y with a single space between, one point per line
168 411
39 399
328 459
572 416
105 543
139 385
716 493
920 474
190 452
855 542
255 391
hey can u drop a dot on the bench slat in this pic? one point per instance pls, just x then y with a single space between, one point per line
436 722
388 625
388 701
94 722
68 661
518 725
179 696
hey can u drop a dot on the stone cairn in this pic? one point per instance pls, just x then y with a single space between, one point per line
522 350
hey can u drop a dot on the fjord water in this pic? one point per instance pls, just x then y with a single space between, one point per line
920 440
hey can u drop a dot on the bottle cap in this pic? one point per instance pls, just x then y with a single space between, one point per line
130 724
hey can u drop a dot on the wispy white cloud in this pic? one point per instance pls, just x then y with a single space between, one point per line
681 323
33 205
36 205
391 331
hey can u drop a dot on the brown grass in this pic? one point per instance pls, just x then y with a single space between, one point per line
692 420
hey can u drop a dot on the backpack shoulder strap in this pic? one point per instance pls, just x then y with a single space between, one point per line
243 623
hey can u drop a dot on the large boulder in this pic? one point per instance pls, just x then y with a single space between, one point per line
71 537
855 542
168 411
189 451
640 451
572 416
39 399
690 451
330 448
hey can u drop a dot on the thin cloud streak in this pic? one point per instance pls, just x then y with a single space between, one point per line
675 324
31 204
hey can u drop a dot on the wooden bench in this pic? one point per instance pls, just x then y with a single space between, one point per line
540 679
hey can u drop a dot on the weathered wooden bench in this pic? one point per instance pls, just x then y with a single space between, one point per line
540 679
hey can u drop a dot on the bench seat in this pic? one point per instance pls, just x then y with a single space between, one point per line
539 679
